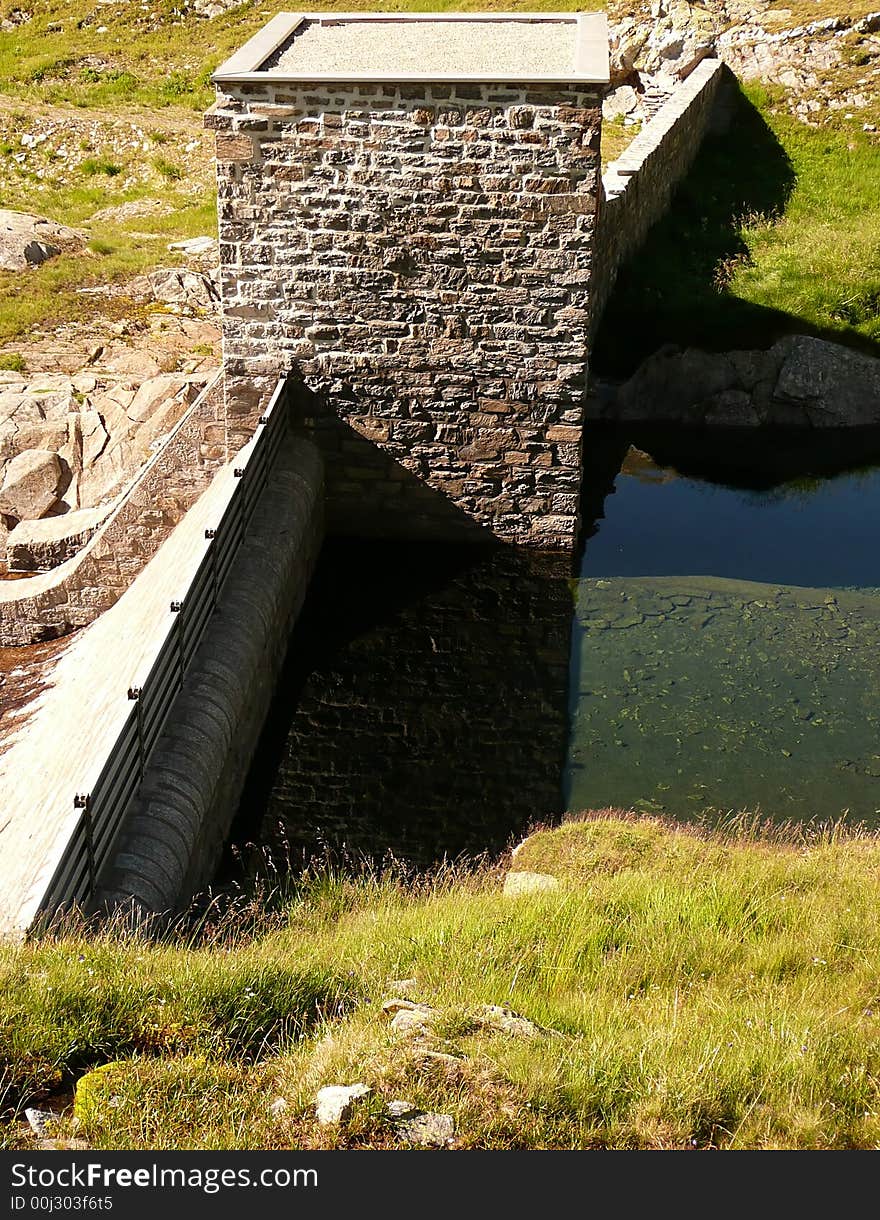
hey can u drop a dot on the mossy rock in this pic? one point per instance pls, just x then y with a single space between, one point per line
97 1090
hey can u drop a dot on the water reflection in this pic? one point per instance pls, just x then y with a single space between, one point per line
423 707
727 646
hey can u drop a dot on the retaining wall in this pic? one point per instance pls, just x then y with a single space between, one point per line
75 593
637 188
174 834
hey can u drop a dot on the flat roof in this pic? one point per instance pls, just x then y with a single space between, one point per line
490 47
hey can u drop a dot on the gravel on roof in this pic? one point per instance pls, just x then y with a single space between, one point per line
482 48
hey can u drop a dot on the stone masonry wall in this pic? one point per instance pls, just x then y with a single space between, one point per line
420 257
637 188
74 594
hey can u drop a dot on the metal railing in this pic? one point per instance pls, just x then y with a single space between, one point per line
103 808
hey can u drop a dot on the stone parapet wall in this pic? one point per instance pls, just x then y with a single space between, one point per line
177 826
74 594
419 256
637 188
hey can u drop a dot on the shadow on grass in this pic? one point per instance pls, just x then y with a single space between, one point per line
675 289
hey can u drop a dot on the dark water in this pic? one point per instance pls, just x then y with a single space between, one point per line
726 653
720 649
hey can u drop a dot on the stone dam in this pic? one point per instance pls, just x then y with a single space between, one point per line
416 244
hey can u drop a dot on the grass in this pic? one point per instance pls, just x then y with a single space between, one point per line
12 362
775 230
693 988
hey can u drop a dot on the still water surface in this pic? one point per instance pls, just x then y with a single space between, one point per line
726 652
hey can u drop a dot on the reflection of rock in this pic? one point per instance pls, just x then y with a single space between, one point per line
27 241
800 381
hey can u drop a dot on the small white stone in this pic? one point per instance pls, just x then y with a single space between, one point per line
334 1103
529 883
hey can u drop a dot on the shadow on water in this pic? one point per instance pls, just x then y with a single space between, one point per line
673 290
422 709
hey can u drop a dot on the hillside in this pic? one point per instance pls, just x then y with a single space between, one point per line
100 128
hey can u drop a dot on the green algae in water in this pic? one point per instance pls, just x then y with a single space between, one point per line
693 693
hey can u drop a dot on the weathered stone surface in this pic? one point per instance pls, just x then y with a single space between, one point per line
427 1130
800 381
334 1103
27 241
36 546
419 256
409 1019
529 883
503 1019
41 1122
620 102
31 484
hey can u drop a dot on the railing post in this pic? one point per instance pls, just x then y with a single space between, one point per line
83 801
177 608
211 535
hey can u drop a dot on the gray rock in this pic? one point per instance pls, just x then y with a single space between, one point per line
277 1107
31 484
799 381
836 387
37 546
27 241
41 1122
409 1018
427 1130
528 883
401 1109
334 1103
503 1019
620 102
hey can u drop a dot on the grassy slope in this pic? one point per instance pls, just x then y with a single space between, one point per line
753 268
776 229
716 990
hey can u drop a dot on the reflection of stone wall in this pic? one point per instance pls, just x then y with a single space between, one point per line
421 255
423 709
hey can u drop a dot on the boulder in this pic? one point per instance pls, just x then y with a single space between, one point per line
27 241
37 546
528 883
31 484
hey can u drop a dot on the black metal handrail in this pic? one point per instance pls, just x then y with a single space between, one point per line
104 806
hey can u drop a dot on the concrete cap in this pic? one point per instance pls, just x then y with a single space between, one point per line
504 48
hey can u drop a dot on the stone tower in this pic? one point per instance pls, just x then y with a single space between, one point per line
407 206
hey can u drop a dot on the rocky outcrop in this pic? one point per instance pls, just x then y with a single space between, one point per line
27 241
799 382
659 46
71 443
37 546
